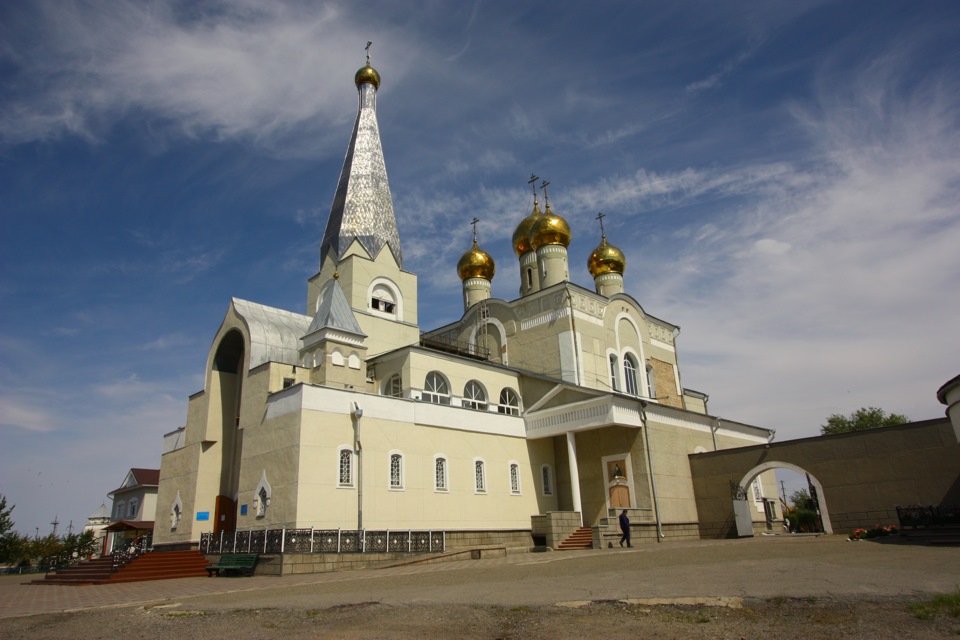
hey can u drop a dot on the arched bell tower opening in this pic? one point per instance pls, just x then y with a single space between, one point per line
226 387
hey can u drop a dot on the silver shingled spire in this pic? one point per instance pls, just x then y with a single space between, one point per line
363 207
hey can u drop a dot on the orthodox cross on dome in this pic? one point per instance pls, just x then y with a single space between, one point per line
546 198
600 217
474 223
367 49
533 184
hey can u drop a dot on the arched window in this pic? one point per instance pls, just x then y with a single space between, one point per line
614 373
479 476
474 396
651 383
440 474
396 471
509 402
546 480
345 475
382 299
515 478
393 387
436 389
120 506
630 374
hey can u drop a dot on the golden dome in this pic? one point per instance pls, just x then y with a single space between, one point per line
476 263
606 258
549 229
521 237
367 74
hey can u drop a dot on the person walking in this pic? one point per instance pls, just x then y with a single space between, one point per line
625 528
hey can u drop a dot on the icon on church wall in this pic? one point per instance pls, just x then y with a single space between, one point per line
615 469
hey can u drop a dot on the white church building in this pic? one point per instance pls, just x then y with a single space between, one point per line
563 404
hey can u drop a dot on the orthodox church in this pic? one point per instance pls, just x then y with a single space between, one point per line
565 403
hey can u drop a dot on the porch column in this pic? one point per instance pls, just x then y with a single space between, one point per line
574 474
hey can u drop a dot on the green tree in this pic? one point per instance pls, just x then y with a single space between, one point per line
6 522
860 420
799 499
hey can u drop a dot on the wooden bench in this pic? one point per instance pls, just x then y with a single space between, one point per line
242 562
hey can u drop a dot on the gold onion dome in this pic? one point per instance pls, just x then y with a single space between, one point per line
549 229
367 74
521 237
606 258
476 263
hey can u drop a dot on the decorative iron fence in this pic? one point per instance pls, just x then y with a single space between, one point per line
322 541
125 554
918 516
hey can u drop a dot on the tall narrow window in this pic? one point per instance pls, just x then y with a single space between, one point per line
479 476
474 397
514 478
440 474
509 402
120 506
651 383
546 479
529 277
393 387
396 471
436 389
614 367
630 374
132 508
346 468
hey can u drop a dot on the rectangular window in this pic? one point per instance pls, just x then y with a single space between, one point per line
480 479
547 481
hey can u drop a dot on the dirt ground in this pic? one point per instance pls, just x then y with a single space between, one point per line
764 588
775 618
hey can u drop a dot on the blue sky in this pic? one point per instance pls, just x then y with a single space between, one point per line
784 178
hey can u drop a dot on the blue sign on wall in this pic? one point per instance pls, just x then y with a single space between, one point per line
203 515
243 509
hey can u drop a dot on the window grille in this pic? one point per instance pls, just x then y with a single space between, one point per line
396 471
547 481
480 480
346 468
440 474
514 478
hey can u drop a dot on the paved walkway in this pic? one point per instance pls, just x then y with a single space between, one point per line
761 567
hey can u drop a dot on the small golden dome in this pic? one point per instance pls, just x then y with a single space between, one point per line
476 263
606 258
549 229
521 237
367 74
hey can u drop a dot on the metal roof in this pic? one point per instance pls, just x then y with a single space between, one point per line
274 333
334 312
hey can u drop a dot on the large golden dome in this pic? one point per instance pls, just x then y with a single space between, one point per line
549 229
521 237
606 258
476 263
367 74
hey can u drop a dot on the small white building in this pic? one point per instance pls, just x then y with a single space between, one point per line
133 503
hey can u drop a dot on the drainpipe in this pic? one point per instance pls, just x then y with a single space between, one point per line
358 449
713 432
653 479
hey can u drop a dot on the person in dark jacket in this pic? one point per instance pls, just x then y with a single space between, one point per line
625 528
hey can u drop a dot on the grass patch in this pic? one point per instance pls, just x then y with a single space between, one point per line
942 603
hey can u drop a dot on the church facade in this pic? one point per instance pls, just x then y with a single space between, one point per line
350 416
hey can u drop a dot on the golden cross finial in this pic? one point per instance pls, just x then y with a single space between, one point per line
474 223
532 182
367 48
546 198
600 217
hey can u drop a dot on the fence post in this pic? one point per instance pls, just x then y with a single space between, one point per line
266 534
250 540
338 539
221 541
283 538
363 541
234 541
311 539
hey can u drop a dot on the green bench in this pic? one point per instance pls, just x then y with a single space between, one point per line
242 562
